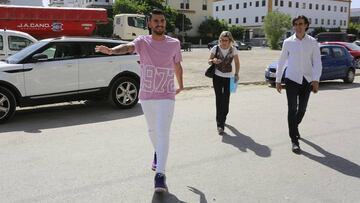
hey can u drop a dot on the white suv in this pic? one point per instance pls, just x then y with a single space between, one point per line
67 69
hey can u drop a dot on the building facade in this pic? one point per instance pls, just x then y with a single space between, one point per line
251 13
22 2
196 10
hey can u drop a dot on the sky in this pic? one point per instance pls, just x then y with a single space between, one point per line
354 3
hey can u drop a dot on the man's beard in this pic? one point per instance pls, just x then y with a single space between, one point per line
158 32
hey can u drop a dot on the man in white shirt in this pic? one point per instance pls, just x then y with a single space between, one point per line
302 54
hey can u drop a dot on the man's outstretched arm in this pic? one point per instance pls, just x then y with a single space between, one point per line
118 50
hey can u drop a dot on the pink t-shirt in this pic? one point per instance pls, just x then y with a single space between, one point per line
157 61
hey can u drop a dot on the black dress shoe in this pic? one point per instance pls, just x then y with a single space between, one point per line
296 148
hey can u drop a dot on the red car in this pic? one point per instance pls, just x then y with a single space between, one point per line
352 48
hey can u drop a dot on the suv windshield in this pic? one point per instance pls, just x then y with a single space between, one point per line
16 58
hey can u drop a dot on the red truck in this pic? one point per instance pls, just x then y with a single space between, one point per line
48 22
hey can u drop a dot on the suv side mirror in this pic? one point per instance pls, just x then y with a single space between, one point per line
40 57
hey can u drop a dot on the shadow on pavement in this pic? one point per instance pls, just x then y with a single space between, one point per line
333 161
334 85
243 142
165 198
47 117
201 194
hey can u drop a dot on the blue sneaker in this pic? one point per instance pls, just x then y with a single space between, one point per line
160 183
153 165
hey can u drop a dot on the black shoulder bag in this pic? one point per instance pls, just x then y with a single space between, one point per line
210 71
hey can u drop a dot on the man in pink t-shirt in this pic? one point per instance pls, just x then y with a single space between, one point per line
160 58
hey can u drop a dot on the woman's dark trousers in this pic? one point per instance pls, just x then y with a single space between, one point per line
222 93
297 97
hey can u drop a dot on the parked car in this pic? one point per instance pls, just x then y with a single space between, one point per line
12 41
67 69
357 42
239 45
243 46
334 37
352 48
337 63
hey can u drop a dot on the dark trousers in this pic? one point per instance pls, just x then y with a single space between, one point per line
222 94
297 97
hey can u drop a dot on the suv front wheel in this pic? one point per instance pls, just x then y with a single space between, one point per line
7 104
124 92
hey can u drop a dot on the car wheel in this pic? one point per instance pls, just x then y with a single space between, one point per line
350 76
357 63
7 104
124 93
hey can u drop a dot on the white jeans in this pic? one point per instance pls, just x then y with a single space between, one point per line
158 115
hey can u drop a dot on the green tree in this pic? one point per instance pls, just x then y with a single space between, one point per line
182 20
105 30
276 24
212 28
237 32
354 28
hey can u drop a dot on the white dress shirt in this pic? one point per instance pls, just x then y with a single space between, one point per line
303 60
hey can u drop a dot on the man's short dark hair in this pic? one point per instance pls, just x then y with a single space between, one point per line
156 12
306 20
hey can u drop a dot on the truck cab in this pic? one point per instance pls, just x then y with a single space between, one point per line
13 41
130 26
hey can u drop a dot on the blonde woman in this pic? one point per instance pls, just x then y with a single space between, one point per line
223 60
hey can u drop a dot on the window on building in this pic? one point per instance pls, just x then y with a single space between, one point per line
317 7
245 5
281 3
297 4
230 6
263 3
340 22
290 4
237 20
276 2
322 21
223 8
310 6
334 22
304 6
316 21
329 8
229 20
250 3
257 4
256 19
237 6
187 4
204 6
217 8
310 20
344 22
262 18
323 7
244 20
328 21
335 8
345 9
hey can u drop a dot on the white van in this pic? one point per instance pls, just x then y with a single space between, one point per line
13 41
130 26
